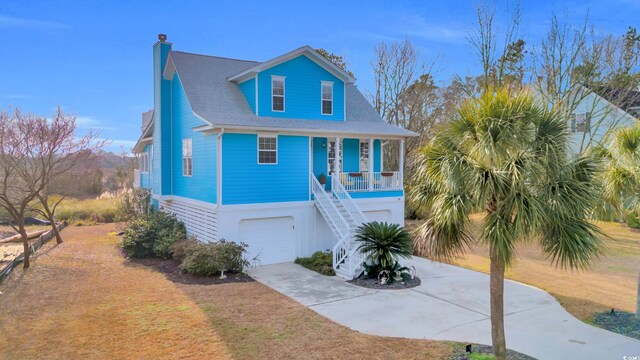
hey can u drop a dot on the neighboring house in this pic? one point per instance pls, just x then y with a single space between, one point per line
596 118
236 148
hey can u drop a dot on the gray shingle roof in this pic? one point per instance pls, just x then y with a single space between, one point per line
221 103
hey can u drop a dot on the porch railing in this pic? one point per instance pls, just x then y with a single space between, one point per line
375 181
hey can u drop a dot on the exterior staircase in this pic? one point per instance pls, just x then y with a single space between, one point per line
343 217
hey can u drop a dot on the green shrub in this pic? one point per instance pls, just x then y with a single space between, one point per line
320 262
207 259
633 220
180 248
152 235
384 243
134 204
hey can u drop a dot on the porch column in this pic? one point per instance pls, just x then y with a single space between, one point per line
370 164
401 164
338 159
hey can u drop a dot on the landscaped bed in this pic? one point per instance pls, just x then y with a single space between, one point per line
373 283
320 262
485 352
170 268
624 323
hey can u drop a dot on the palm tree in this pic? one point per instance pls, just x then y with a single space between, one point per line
621 177
621 173
505 155
384 243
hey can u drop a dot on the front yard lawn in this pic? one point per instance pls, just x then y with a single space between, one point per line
82 299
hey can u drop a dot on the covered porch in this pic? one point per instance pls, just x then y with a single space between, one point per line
361 165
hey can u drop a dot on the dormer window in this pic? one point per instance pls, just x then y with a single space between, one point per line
277 93
327 98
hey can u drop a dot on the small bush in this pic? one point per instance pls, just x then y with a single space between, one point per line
180 248
152 235
207 259
134 204
633 220
320 262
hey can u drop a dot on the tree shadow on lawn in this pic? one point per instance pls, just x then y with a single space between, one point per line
170 269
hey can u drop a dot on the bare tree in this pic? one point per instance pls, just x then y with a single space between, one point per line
406 95
574 63
502 62
33 151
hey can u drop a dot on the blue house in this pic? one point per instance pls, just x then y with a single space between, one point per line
285 155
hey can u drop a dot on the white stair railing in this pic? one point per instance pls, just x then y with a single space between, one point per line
338 224
345 199
336 221
354 258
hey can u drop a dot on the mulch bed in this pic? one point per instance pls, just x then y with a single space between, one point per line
621 322
371 283
172 272
460 354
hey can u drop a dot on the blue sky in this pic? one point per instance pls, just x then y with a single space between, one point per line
94 57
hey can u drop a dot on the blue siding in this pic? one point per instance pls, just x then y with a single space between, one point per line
161 182
244 181
351 155
202 185
248 88
145 178
320 156
302 90
376 194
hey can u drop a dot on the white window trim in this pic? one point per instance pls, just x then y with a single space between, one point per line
573 123
360 142
322 84
336 158
284 92
184 172
144 163
272 136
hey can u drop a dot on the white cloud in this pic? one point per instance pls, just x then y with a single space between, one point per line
418 27
88 122
22 23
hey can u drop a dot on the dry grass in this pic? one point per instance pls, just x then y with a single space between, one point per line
610 283
81 299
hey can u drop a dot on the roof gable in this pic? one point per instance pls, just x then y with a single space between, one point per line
305 50
220 102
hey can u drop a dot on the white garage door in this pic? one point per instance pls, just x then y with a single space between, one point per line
272 240
378 215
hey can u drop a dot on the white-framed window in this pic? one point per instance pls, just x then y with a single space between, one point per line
267 149
327 97
581 122
187 157
364 156
144 162
277 93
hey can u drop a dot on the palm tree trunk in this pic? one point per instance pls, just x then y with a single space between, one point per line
497 307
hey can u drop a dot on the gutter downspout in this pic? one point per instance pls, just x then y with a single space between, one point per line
219 167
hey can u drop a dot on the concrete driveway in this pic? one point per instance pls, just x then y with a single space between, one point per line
452 303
